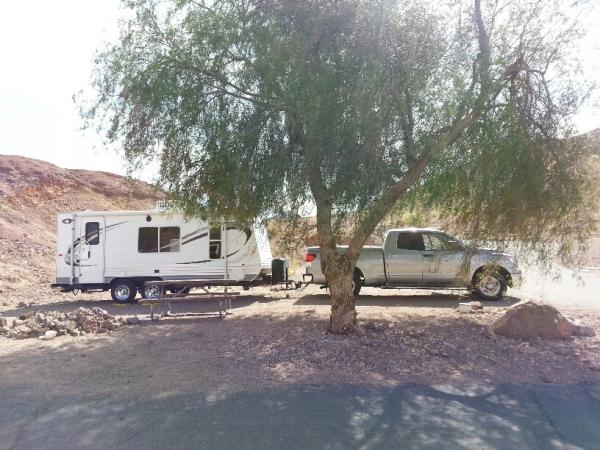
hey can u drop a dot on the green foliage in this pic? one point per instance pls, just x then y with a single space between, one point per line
258 108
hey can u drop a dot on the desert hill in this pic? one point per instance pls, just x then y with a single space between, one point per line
32 193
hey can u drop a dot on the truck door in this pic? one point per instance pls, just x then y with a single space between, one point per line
89 251
404 258
442 260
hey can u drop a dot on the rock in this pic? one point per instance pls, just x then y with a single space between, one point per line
23 332
21 305
89 325
108 325
133 320
579 329
583 331
48 335
360 331
27 315
476 306
532 320
18 322
73 333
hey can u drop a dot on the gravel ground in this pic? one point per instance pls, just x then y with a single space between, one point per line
271 340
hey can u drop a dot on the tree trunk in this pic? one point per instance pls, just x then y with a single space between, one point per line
339 271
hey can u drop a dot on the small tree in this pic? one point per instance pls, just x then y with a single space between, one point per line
257 107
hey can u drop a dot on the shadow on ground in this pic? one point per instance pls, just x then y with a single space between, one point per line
208 306
265 382
333 417
433 300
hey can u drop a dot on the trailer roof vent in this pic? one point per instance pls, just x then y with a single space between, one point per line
163 205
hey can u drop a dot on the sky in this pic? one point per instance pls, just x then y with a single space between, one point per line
46 51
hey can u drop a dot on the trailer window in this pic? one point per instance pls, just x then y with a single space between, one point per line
214 248
169 239
92 233
148 240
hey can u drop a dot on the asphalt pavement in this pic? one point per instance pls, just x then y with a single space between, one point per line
409 416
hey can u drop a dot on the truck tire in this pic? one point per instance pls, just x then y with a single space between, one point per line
356 283
123 291
490 286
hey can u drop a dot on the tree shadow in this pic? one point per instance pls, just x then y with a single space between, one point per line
204 306
433 300
267 382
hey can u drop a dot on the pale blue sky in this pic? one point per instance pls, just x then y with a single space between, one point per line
46 50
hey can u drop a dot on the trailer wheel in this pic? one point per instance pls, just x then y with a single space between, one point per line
150 291
123 291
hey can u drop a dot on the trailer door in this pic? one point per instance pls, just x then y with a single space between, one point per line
91 250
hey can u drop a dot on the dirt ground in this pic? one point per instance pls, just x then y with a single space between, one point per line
275 338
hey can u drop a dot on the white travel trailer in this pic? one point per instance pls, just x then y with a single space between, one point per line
122 250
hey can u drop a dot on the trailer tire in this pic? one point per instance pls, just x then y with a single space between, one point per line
150 291
123 291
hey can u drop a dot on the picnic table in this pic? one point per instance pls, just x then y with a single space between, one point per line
164 299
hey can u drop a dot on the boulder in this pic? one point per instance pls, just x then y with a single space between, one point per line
532 320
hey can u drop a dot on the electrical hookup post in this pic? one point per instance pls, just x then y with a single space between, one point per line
226 297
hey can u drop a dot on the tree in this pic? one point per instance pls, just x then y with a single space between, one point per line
258 107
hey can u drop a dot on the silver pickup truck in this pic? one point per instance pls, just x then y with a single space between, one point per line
424 258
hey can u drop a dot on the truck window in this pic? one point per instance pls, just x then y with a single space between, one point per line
92 233
148 240
435 242
410 241
169 239
214 248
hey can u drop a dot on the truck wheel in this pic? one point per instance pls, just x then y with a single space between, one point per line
490 286
356 283
123 291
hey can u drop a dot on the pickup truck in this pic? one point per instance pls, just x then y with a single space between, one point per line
425 258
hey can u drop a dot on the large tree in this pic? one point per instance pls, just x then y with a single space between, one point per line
259 107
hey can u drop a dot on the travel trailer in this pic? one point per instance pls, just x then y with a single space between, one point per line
122 250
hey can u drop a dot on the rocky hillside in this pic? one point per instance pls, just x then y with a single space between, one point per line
32 192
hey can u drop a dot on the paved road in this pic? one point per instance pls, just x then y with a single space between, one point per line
410 416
